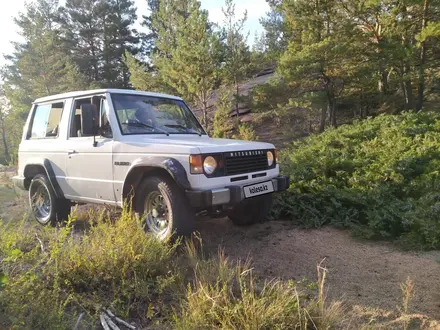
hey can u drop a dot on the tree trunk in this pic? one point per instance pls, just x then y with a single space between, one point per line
322 121
406 69
5 143
237 95
203 100
95 73
383 82
205 110
421 87
402 86
332 111
407 85
331 102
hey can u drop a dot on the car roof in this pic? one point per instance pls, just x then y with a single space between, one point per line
101 91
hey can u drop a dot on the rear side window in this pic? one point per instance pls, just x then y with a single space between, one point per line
46 121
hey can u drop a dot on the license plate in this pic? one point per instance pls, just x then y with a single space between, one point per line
258 189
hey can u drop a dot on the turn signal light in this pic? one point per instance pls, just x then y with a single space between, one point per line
276 156
195 162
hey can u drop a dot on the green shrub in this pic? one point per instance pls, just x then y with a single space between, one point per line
378 176
48 276
55 274
246 132
222 125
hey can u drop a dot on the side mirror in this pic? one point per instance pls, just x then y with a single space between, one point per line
89 121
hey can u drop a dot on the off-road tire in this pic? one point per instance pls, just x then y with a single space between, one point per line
181 217
251 211
58 210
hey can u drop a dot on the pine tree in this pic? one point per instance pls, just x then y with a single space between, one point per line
119 37
222 125
192 67
98 32
276 34
141 76
169 23
165 23
149 39
82 28
4 110
39 66
317 58
237 54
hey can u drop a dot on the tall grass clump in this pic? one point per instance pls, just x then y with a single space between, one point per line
378 176
226 295
52 275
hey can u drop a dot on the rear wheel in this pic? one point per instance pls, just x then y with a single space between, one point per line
164 208
251 211
45 207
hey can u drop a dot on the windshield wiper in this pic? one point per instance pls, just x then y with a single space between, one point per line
181 126
148 126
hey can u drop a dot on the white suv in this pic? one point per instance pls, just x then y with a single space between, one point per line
108 146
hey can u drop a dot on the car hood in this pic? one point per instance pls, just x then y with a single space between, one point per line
185 143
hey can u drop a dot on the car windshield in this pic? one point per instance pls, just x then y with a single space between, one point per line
140 114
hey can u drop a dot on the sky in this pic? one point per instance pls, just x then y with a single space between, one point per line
255 9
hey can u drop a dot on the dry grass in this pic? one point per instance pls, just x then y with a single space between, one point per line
225 295
407 289
13 201
51 276
54 274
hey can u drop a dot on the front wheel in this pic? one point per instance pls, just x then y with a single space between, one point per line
251 210
164 208
45 207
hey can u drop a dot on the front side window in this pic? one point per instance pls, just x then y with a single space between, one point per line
81 124
46 121
80 127
139 114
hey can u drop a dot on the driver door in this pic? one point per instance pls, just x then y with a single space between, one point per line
89 166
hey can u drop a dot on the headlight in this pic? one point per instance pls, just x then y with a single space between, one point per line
209 165
270 158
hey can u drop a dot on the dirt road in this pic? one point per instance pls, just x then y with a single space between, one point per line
359 272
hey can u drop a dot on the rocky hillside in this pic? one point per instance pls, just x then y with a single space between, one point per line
268 126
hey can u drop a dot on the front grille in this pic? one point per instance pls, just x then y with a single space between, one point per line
240 162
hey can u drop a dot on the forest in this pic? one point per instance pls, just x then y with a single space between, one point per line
334 60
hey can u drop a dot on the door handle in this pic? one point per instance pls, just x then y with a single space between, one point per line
71 151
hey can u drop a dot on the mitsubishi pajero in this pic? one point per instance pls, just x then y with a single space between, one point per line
111 146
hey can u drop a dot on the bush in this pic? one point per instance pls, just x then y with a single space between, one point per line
378 176
54 274
222 124
246 132
48 277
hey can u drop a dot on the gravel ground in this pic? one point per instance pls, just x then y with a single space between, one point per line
360 272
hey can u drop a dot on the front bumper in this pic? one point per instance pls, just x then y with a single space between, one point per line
228 195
